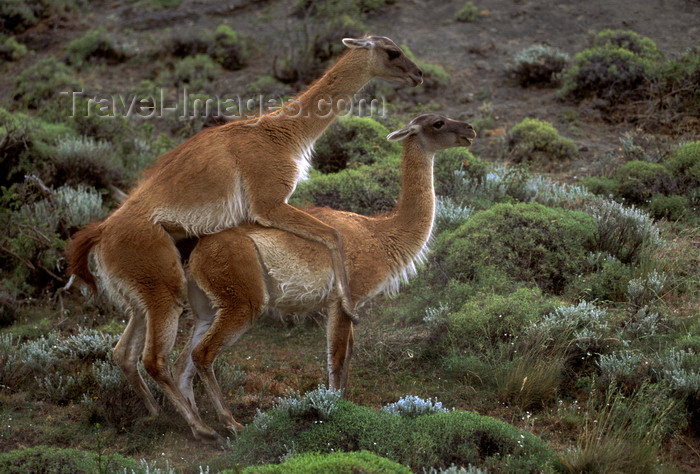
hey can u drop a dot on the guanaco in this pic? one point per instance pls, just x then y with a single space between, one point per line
242 171
236 274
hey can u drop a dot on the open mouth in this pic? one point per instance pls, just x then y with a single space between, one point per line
468 141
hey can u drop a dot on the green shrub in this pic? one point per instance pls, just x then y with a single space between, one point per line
680 82
353 141
601 185
27 146
365 189
469 12
637 181
671 207
434 75
629 40
579 332
228 48
51 460
528 242
608 72
350 463
436 440
94 45
111 400
606 282
11 50
538 142
18 15
684 166
539 65
43 81
193 72
487 319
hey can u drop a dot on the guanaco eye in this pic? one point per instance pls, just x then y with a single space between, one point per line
438 124
393 53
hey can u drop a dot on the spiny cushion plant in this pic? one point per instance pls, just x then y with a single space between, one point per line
538 142
528 242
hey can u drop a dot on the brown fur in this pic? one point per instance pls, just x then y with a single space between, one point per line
238 273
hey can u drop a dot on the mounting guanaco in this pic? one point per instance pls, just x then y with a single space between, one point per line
243 171
236 274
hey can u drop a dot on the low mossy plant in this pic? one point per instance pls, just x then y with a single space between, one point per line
434 440
350 463
52 460
538 142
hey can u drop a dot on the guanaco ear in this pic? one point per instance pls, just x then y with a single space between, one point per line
358 43
403 133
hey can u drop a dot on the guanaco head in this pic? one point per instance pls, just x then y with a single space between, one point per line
436 132
387 60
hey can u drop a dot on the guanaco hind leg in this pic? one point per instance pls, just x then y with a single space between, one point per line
150 278
127 353
235 284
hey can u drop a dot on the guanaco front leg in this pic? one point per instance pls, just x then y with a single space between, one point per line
286 217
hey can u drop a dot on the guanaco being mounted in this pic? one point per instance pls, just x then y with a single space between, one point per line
243 171
235 275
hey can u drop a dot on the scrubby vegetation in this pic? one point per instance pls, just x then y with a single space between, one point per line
561 308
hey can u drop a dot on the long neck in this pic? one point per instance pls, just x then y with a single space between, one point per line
408 228
314 110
